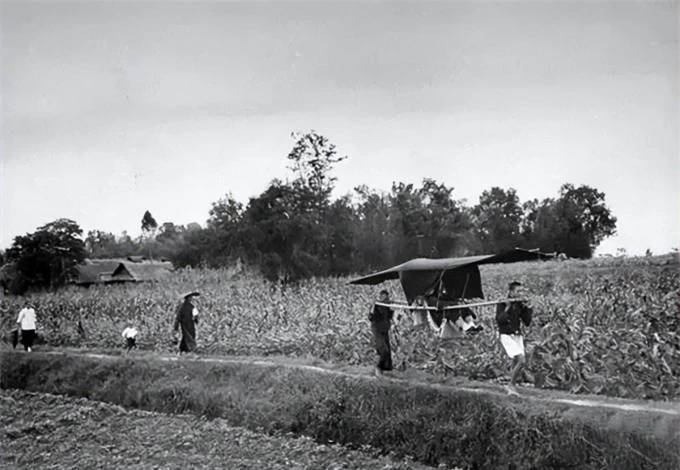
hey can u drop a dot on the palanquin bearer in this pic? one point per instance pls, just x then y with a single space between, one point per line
381 320
187 318
508 317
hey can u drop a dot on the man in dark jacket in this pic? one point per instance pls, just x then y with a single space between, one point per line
508 317
381 318
186 318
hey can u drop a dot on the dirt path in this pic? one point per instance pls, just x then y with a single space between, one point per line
548 397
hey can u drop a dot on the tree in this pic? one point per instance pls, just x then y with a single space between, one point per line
149 224
371 233
574 224
425 221
99 244
542 227
147 241
126 245
447 223
586 213
193 248
498 218
225 213
279 233
286 229
313 158
48 257
405 222
225 229
340 222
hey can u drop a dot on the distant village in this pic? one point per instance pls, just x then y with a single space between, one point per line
114 271
131 269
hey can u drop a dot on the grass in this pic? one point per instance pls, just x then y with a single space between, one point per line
433 426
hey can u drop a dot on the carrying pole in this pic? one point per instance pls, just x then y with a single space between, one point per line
450 307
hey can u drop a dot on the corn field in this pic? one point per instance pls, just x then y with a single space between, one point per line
602 326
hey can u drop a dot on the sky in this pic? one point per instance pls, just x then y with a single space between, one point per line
109 110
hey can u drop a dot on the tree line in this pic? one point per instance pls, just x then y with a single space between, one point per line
295 229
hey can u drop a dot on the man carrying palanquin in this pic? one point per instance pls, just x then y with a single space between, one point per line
508 317
381 320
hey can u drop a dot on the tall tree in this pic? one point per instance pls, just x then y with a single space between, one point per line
169 232
426 221
149 224
225 229
48 257
99 244
574 224
406 221
277 229
341 249
371 232
447 223
587 215
541 225
312 159
498 220
286 228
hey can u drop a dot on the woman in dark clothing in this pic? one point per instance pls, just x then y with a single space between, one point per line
187 318
381 318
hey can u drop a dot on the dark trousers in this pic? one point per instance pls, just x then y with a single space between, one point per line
130 343
27 338
382 347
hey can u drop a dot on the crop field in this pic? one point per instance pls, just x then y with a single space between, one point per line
47 431
605 326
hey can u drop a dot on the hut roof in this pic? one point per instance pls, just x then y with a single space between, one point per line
133 269
147 271
96 270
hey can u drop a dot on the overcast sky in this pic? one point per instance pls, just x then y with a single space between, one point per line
110 110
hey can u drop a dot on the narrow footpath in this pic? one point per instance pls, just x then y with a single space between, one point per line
528 394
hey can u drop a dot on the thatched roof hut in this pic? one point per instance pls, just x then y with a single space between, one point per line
131 269
96 271
140 272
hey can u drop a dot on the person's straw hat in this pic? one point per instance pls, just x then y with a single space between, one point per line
192 293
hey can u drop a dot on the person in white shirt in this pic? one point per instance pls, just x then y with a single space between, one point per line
26 323
130 333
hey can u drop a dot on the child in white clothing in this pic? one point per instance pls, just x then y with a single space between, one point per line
130 333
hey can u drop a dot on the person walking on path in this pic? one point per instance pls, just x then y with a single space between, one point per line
508 317
381 320
187 318
26 323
